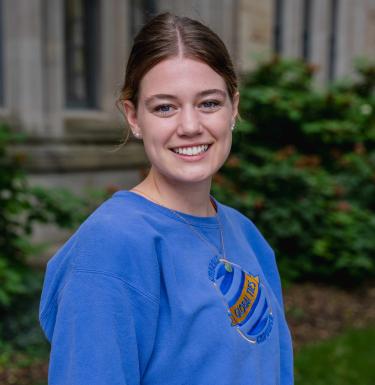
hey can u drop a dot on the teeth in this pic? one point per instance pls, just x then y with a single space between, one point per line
191 150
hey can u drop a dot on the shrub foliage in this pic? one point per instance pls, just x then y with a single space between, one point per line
22 206
302 167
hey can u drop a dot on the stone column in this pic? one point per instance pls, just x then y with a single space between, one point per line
24 63
114 50
292 29
53 71
320 38
254 32
369 34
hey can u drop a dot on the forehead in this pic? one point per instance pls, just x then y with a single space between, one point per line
179 76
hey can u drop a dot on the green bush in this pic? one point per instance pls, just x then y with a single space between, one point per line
21 207
302 167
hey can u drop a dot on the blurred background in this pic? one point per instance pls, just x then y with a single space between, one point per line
302 165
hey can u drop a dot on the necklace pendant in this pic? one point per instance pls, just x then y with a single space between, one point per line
228 267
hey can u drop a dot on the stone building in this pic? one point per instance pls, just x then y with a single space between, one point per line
62 63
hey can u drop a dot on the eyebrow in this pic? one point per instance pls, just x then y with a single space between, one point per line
173 97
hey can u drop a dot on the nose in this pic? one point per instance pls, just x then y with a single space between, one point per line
189 123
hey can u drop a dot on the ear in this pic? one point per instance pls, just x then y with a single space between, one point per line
235 103
131 117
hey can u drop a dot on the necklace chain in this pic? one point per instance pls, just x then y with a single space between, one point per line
192 227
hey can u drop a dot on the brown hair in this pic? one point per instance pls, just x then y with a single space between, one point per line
167 35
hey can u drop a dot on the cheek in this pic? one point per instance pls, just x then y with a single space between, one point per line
220 126
221 119
155 136
150 123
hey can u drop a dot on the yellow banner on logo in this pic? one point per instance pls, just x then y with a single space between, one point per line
245 302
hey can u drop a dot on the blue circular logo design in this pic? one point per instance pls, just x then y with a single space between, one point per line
245 298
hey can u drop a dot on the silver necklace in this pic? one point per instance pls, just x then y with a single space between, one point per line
201 236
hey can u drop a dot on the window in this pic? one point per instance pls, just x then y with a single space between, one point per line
149 8
1 56
277 26
332 45
81 52
140 12
306 30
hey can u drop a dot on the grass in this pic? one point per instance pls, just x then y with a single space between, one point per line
345 360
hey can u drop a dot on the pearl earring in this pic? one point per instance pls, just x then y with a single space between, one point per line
232 127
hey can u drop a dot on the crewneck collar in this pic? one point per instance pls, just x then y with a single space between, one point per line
195 220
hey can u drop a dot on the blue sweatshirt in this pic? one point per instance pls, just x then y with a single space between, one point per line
136 296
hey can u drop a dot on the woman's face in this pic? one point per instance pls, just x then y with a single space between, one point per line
184 116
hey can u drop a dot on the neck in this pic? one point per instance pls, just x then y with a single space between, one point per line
189 198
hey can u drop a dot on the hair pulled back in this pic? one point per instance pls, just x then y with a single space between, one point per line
166 36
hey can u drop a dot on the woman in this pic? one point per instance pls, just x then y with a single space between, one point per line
163 284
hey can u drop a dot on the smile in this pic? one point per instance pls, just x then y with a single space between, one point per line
195 150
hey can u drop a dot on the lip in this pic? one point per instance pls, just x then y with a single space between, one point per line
192 158
191 145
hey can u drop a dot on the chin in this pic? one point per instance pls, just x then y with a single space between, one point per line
188 179
191 180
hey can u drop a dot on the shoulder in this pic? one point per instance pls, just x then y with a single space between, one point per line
113 225
261 247
110 251
117 240
241 222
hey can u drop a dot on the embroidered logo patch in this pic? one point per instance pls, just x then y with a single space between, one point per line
245 298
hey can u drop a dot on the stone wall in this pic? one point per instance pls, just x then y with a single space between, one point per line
73 147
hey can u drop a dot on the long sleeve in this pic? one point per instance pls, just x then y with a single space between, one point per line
104 331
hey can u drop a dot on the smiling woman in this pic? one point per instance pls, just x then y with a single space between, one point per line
183 105
163 284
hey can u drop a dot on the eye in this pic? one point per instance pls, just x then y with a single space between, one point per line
211 104
164 109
